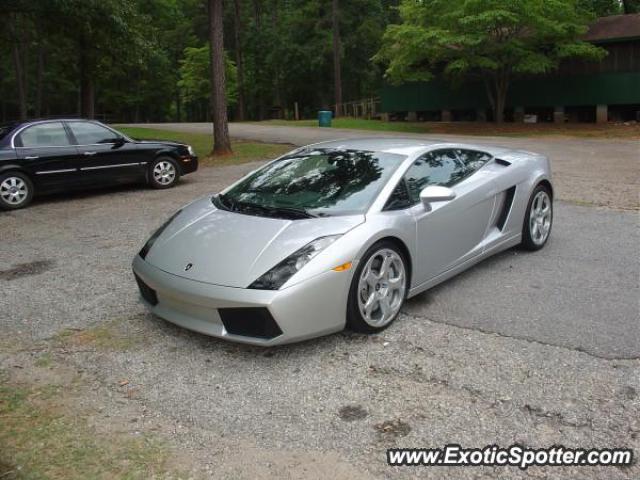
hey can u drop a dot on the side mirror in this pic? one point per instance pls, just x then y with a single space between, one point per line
435 193
119 141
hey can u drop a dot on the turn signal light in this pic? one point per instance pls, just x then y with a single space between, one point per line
343 267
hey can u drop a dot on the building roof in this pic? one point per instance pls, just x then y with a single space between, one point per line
614 27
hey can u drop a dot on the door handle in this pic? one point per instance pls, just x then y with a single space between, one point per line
89 154
33 157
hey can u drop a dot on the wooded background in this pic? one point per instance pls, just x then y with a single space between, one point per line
148 60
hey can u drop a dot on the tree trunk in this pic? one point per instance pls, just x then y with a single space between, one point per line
178 106
497 87
40 80
87 94
221 143
237 29
337 73
20 81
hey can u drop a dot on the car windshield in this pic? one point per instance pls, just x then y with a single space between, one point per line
314 182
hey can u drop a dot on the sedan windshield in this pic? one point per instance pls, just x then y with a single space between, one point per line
315 182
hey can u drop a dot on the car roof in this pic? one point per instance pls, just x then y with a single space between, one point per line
403 146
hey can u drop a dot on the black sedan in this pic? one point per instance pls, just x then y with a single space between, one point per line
46 156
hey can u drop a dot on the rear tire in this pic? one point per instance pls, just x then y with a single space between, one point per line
163 173
538 219
16 190
378 288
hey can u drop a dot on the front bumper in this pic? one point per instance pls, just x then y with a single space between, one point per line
188 164
309 309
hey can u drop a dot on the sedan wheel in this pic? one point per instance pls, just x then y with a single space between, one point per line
538 219
381 289
164 173
16 191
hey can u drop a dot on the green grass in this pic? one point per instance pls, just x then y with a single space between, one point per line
40 440
203 144
357 124
629 130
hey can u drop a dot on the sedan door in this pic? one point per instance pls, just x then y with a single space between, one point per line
107 156
451 232
46 151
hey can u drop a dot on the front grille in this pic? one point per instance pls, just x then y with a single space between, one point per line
250 322
148 293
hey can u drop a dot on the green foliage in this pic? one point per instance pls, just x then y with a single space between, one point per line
601 8
147 59
493 39
195 72
480 36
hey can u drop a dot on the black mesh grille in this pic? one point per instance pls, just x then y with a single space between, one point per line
148 293
249 322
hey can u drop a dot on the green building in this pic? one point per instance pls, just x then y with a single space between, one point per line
578 91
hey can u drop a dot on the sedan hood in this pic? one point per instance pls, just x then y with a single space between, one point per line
168 143
215 246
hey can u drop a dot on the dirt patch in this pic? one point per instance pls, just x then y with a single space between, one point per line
26 269
351 413
393 428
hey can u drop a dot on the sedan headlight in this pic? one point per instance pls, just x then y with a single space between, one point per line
278 275
152 239
191 151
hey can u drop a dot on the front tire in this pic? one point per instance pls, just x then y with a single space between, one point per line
378 289
163 173
538 219
16 190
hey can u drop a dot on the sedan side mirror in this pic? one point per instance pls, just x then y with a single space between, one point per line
435 193
119 141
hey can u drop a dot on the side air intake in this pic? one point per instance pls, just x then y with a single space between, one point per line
506 207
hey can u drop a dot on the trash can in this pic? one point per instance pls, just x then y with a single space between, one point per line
324 118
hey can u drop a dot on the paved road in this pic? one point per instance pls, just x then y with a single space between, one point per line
535 348
589 171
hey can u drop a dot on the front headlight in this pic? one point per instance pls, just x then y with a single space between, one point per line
191 151
278 275
152 239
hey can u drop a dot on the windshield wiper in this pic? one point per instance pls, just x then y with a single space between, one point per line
289 212
300 212
225 202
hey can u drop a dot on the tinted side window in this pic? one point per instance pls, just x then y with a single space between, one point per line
44 135
441 167
90 133
473 159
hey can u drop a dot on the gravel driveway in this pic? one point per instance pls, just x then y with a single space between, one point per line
588 171
536 348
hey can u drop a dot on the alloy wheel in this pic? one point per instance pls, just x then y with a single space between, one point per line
14 190
540 218
164 172
381 287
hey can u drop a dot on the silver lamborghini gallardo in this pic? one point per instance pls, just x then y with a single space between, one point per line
339 234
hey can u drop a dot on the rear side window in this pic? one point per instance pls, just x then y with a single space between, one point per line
473 159
87 133
44 135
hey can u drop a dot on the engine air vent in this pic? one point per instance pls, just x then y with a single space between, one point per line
506 207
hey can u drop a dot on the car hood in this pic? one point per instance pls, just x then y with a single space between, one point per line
167 143
233 249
